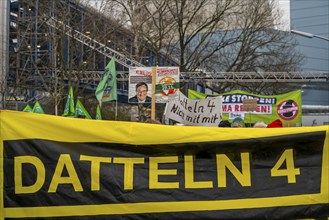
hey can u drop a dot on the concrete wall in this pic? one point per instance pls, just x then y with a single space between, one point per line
308 120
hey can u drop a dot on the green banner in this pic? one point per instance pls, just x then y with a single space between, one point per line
287 107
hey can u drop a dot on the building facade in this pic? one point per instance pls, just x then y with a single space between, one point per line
312 17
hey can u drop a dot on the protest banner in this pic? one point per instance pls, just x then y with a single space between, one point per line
205 112
287 107
124 170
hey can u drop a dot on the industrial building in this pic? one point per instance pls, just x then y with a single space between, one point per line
47 42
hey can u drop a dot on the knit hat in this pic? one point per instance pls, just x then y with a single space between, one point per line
275 124
224 123
260 124
238 123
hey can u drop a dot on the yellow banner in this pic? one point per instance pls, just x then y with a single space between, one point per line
67 167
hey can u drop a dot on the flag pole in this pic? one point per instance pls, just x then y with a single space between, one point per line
153 94
116 109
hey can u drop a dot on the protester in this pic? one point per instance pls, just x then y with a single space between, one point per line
141 94
238 123
224 124
81 116
260 124
152 121
275 124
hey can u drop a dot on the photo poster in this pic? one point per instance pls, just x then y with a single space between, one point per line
287 106
203 112
167 84
140 75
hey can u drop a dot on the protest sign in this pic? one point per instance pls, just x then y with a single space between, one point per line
167 84
140 85
205 112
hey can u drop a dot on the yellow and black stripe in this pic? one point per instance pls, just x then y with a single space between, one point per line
74 169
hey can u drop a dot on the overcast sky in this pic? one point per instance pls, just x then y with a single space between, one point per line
283 5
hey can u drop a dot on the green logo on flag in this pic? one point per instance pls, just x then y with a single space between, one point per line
37 108
107 88
80 111
27 108
69 106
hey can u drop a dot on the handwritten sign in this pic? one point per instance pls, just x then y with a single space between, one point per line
205 112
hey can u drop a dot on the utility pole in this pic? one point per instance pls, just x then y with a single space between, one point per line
4 49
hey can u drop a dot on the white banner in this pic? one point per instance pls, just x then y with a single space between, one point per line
233 115
204 112
238 108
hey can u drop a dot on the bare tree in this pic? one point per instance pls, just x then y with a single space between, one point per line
135 16
211 35
236 36
261 47
159 29
196 23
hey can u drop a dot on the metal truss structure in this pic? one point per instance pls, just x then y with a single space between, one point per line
231 77
249 77
94 44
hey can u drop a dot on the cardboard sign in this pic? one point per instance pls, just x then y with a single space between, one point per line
250 105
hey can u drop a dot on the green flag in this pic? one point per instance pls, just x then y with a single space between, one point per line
27 108
107 88
69 106
37 108
80 111
98 113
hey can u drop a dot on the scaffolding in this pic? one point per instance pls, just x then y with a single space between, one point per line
52 43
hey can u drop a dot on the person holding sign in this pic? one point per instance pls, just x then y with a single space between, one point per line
141 94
